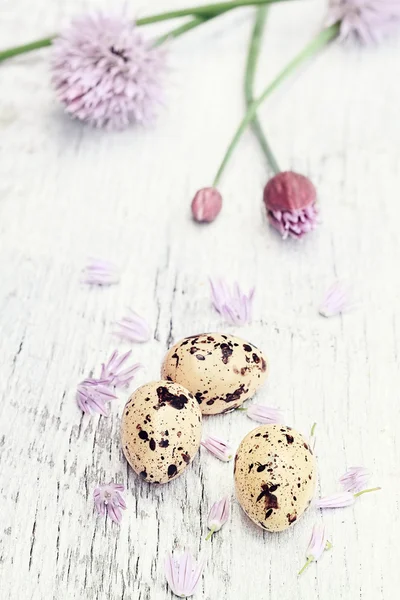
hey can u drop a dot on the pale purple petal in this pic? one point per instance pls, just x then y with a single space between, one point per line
100 272
340 500
112 372
133 328
294 224
335 301
105 73
114 512
355 479
317 543
233 305
218 447
265 414
107 498
183 574
92 396
366 20
219 514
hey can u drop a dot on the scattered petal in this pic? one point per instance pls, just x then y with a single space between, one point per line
133 328
113 373
183 574
317 546
336 301
265 414
218 447
342 499
108 499
366 20
233 305
105 73
92 396
339 500
100 272
219 514
355 479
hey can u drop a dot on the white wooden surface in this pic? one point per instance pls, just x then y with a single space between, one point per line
67 192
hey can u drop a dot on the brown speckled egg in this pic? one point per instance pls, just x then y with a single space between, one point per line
160 430
222 371
275 476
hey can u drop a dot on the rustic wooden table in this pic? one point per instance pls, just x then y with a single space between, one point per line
68 192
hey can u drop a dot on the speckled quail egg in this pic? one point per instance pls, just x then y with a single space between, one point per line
222 371
160 430
275 476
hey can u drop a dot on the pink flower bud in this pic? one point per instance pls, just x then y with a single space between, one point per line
290 202
206 205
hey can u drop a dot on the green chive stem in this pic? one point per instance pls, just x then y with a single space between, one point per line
376 489
251 67
204 12
319 42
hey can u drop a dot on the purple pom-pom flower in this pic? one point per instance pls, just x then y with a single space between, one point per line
105 73
366 20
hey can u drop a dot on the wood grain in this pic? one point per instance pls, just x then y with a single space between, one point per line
68 192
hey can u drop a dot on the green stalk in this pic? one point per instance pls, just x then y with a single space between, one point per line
308 563
174 33
376 489
251 67
205 12
319 42
211 533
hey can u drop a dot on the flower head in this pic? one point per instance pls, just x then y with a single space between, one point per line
265 414
233 305
92 396
108 499
318 544
133 328
290 201
218 447
336 300
355 479
113 373
183 574
366 20
100 272
105 73
206 205
219 514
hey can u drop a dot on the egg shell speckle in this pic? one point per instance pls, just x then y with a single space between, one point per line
161 430
275 476
222 371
